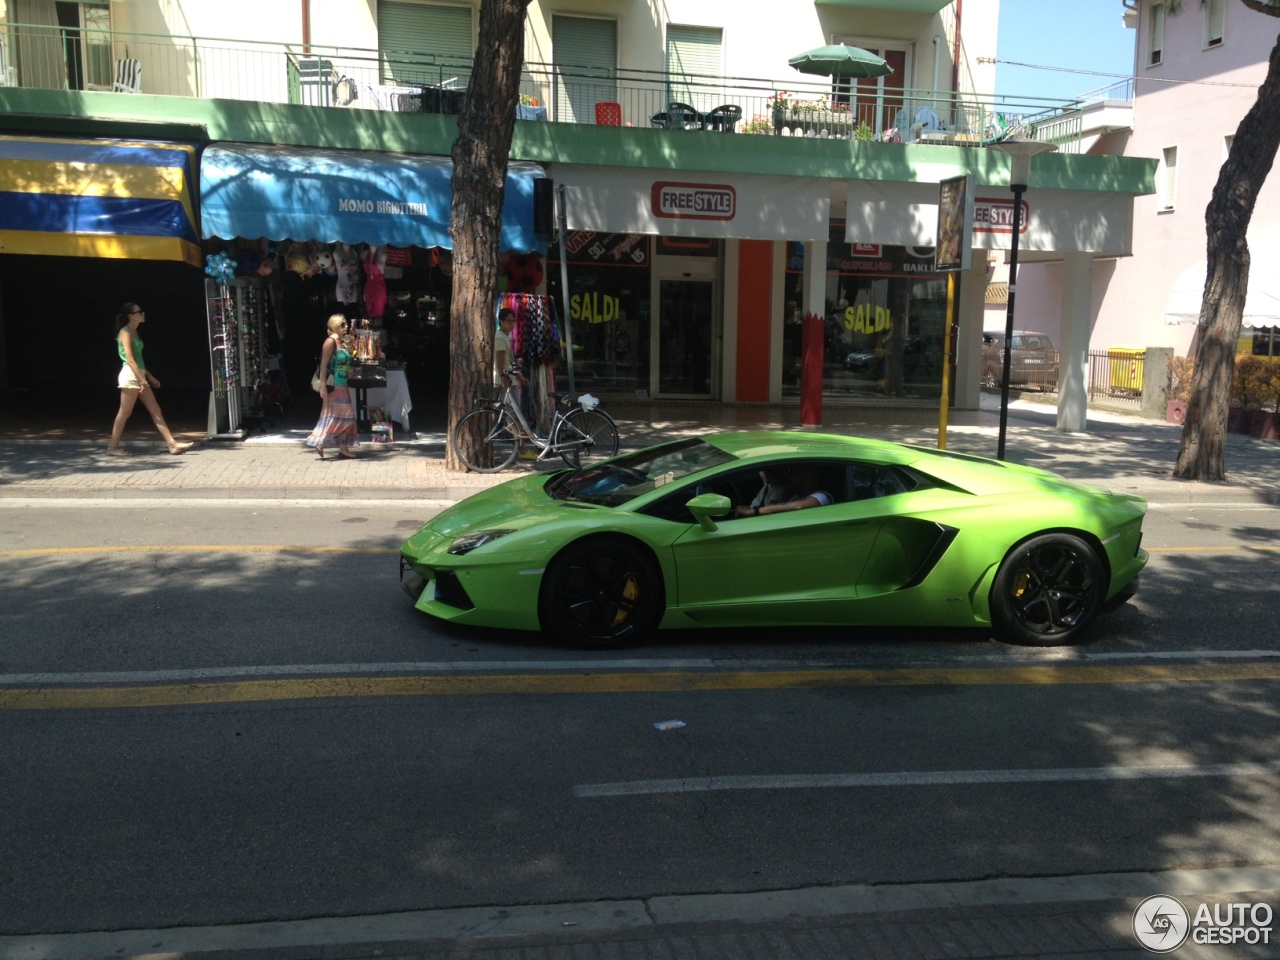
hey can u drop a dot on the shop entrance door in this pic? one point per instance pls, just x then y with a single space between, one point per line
684 338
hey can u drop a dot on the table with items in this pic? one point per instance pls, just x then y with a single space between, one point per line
393 398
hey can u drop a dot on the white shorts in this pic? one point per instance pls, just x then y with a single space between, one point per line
127 380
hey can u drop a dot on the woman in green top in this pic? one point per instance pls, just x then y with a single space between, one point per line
135 381
337 423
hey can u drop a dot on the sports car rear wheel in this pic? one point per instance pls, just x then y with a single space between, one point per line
1047 591
601 592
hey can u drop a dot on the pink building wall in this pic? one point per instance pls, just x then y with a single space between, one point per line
1197 119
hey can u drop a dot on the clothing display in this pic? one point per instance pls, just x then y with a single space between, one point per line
535 342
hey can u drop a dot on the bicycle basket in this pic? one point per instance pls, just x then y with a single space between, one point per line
488 396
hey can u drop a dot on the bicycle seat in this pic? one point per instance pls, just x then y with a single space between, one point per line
558 398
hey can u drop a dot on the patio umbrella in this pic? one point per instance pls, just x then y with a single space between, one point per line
838 60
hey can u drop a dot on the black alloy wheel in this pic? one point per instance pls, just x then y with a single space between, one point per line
1047 591
601 592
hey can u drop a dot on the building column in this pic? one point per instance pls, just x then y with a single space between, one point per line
729 329
1073 350
815 304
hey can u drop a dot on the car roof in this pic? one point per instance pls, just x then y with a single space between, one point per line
773 443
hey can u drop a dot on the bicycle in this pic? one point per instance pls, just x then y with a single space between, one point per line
581 433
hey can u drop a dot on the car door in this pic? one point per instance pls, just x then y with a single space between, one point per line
780 567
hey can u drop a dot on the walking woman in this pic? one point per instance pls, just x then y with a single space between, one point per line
136 381
337 423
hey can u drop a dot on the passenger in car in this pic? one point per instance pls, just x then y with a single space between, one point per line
785 490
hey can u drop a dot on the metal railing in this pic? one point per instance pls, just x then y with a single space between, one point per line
59 58
1116 376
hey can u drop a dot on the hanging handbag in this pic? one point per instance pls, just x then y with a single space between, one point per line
315 379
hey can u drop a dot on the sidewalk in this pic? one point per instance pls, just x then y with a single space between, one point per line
1049 917
1124 453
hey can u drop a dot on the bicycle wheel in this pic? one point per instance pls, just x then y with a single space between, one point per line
496 445
589 436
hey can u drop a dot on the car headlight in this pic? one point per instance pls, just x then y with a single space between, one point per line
468 542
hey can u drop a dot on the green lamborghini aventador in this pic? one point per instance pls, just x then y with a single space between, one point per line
685 534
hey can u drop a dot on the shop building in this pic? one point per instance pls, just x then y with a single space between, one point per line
693 239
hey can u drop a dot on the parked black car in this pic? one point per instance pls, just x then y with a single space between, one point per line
1034 361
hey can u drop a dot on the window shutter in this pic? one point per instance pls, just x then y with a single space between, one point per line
585 54
694 55
1169 183
1215 13
1156 38
421 43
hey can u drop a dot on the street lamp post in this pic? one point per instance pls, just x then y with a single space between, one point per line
1020 152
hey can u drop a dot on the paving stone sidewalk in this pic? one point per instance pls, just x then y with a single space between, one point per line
1123 453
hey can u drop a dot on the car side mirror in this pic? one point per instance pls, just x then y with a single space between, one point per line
705 506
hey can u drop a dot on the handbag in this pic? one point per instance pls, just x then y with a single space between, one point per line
315 380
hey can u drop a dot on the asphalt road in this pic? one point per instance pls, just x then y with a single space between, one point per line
264 733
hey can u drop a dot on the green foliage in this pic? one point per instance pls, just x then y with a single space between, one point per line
864 133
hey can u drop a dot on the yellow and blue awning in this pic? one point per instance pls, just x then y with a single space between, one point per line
348 196
124 199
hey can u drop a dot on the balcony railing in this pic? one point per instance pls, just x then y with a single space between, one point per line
59 58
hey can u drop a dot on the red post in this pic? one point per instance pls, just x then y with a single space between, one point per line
812 349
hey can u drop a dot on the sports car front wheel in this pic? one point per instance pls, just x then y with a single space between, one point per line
1047 591
601 592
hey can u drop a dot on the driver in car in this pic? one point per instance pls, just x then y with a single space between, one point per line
784 490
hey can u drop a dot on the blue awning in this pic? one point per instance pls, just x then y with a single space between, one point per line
127 199
347 196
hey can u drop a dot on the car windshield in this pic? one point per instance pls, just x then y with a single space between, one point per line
624 478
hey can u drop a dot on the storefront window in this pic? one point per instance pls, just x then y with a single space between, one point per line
886 321
608 309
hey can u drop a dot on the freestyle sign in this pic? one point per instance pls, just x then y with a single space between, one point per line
388 208
694 201
991 215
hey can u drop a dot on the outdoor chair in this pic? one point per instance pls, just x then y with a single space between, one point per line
723 118
128 76
608 114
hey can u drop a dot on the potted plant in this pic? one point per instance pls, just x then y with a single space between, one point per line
1255 397
778 103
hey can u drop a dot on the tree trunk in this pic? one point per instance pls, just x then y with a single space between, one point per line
1201 453
479 175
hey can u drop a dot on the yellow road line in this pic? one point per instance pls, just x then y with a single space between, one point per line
256 691
197 548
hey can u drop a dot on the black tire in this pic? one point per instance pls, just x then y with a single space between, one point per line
597 426
601 592
498 444
1047 591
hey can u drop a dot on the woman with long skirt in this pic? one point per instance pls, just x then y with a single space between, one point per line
337 423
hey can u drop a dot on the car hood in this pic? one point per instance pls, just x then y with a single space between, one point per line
515 504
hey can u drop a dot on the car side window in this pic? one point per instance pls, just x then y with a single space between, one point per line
870 480
741 487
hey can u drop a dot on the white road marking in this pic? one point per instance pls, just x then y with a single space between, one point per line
924 778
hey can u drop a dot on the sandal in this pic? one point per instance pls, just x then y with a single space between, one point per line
320 451
177 448
347 456
118 452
